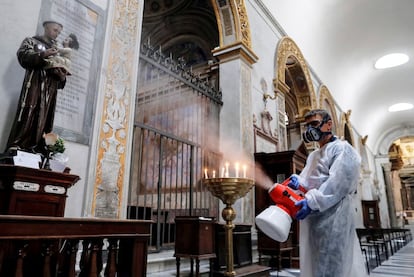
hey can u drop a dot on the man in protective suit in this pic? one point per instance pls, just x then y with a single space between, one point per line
36 108
329 245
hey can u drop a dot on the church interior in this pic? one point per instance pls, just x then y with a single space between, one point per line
176 118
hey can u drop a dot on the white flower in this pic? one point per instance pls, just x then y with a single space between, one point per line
50 138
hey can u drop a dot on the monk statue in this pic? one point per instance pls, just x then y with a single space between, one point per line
37 103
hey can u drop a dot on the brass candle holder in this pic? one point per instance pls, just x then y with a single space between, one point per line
229 190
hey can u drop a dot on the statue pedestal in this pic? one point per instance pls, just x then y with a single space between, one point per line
29 191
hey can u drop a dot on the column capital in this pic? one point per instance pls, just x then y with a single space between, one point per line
237 50
386 166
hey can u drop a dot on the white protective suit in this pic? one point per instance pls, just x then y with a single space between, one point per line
329 245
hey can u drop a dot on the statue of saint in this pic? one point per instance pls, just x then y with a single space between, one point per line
63 58
36 107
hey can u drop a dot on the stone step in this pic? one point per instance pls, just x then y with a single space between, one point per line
253 270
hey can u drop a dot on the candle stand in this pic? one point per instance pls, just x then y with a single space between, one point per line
229 190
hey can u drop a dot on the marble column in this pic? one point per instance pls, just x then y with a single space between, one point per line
236 118
112 140
390 194
367 186
409 198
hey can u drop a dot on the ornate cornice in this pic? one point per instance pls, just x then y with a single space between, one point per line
235 50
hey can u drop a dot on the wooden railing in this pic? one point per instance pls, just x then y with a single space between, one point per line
49 246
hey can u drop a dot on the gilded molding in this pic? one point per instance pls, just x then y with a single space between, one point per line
364 140
346 123
239 19
219 22
114 125
325 96
285 49
243 21
347 116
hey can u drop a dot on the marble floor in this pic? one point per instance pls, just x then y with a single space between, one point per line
400 264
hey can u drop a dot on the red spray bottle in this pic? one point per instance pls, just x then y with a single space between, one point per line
276 220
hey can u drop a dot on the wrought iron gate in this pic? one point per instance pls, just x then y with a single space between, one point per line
175 136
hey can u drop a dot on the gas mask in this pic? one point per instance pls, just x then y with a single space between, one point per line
314 133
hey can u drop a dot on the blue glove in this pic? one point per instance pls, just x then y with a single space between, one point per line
304 211
294 182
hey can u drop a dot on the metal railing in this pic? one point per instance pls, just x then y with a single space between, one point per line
175 137
168 184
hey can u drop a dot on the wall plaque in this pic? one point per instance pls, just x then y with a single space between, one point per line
76 102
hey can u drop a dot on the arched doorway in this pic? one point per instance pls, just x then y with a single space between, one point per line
401 155
394 156
177 109
294 87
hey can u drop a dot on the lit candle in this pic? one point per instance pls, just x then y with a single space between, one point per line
205 173
244 171
236 167
222 172
214 174
227 171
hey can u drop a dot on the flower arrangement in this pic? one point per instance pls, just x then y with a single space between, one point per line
55 146
58 147
54 143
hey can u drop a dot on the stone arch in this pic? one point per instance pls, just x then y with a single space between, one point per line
290 61
388 150
294 90
183 30
392 135
327 102
232 21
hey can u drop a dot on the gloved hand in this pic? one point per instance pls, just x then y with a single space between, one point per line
294 182
304 211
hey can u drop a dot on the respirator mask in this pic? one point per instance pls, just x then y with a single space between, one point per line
313 131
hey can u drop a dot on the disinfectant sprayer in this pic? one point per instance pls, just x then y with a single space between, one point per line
275 221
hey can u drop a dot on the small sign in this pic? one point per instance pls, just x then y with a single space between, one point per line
27 159
54 189
26 186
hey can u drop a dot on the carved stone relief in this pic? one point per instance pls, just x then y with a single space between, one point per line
266 119
114 124
244 23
